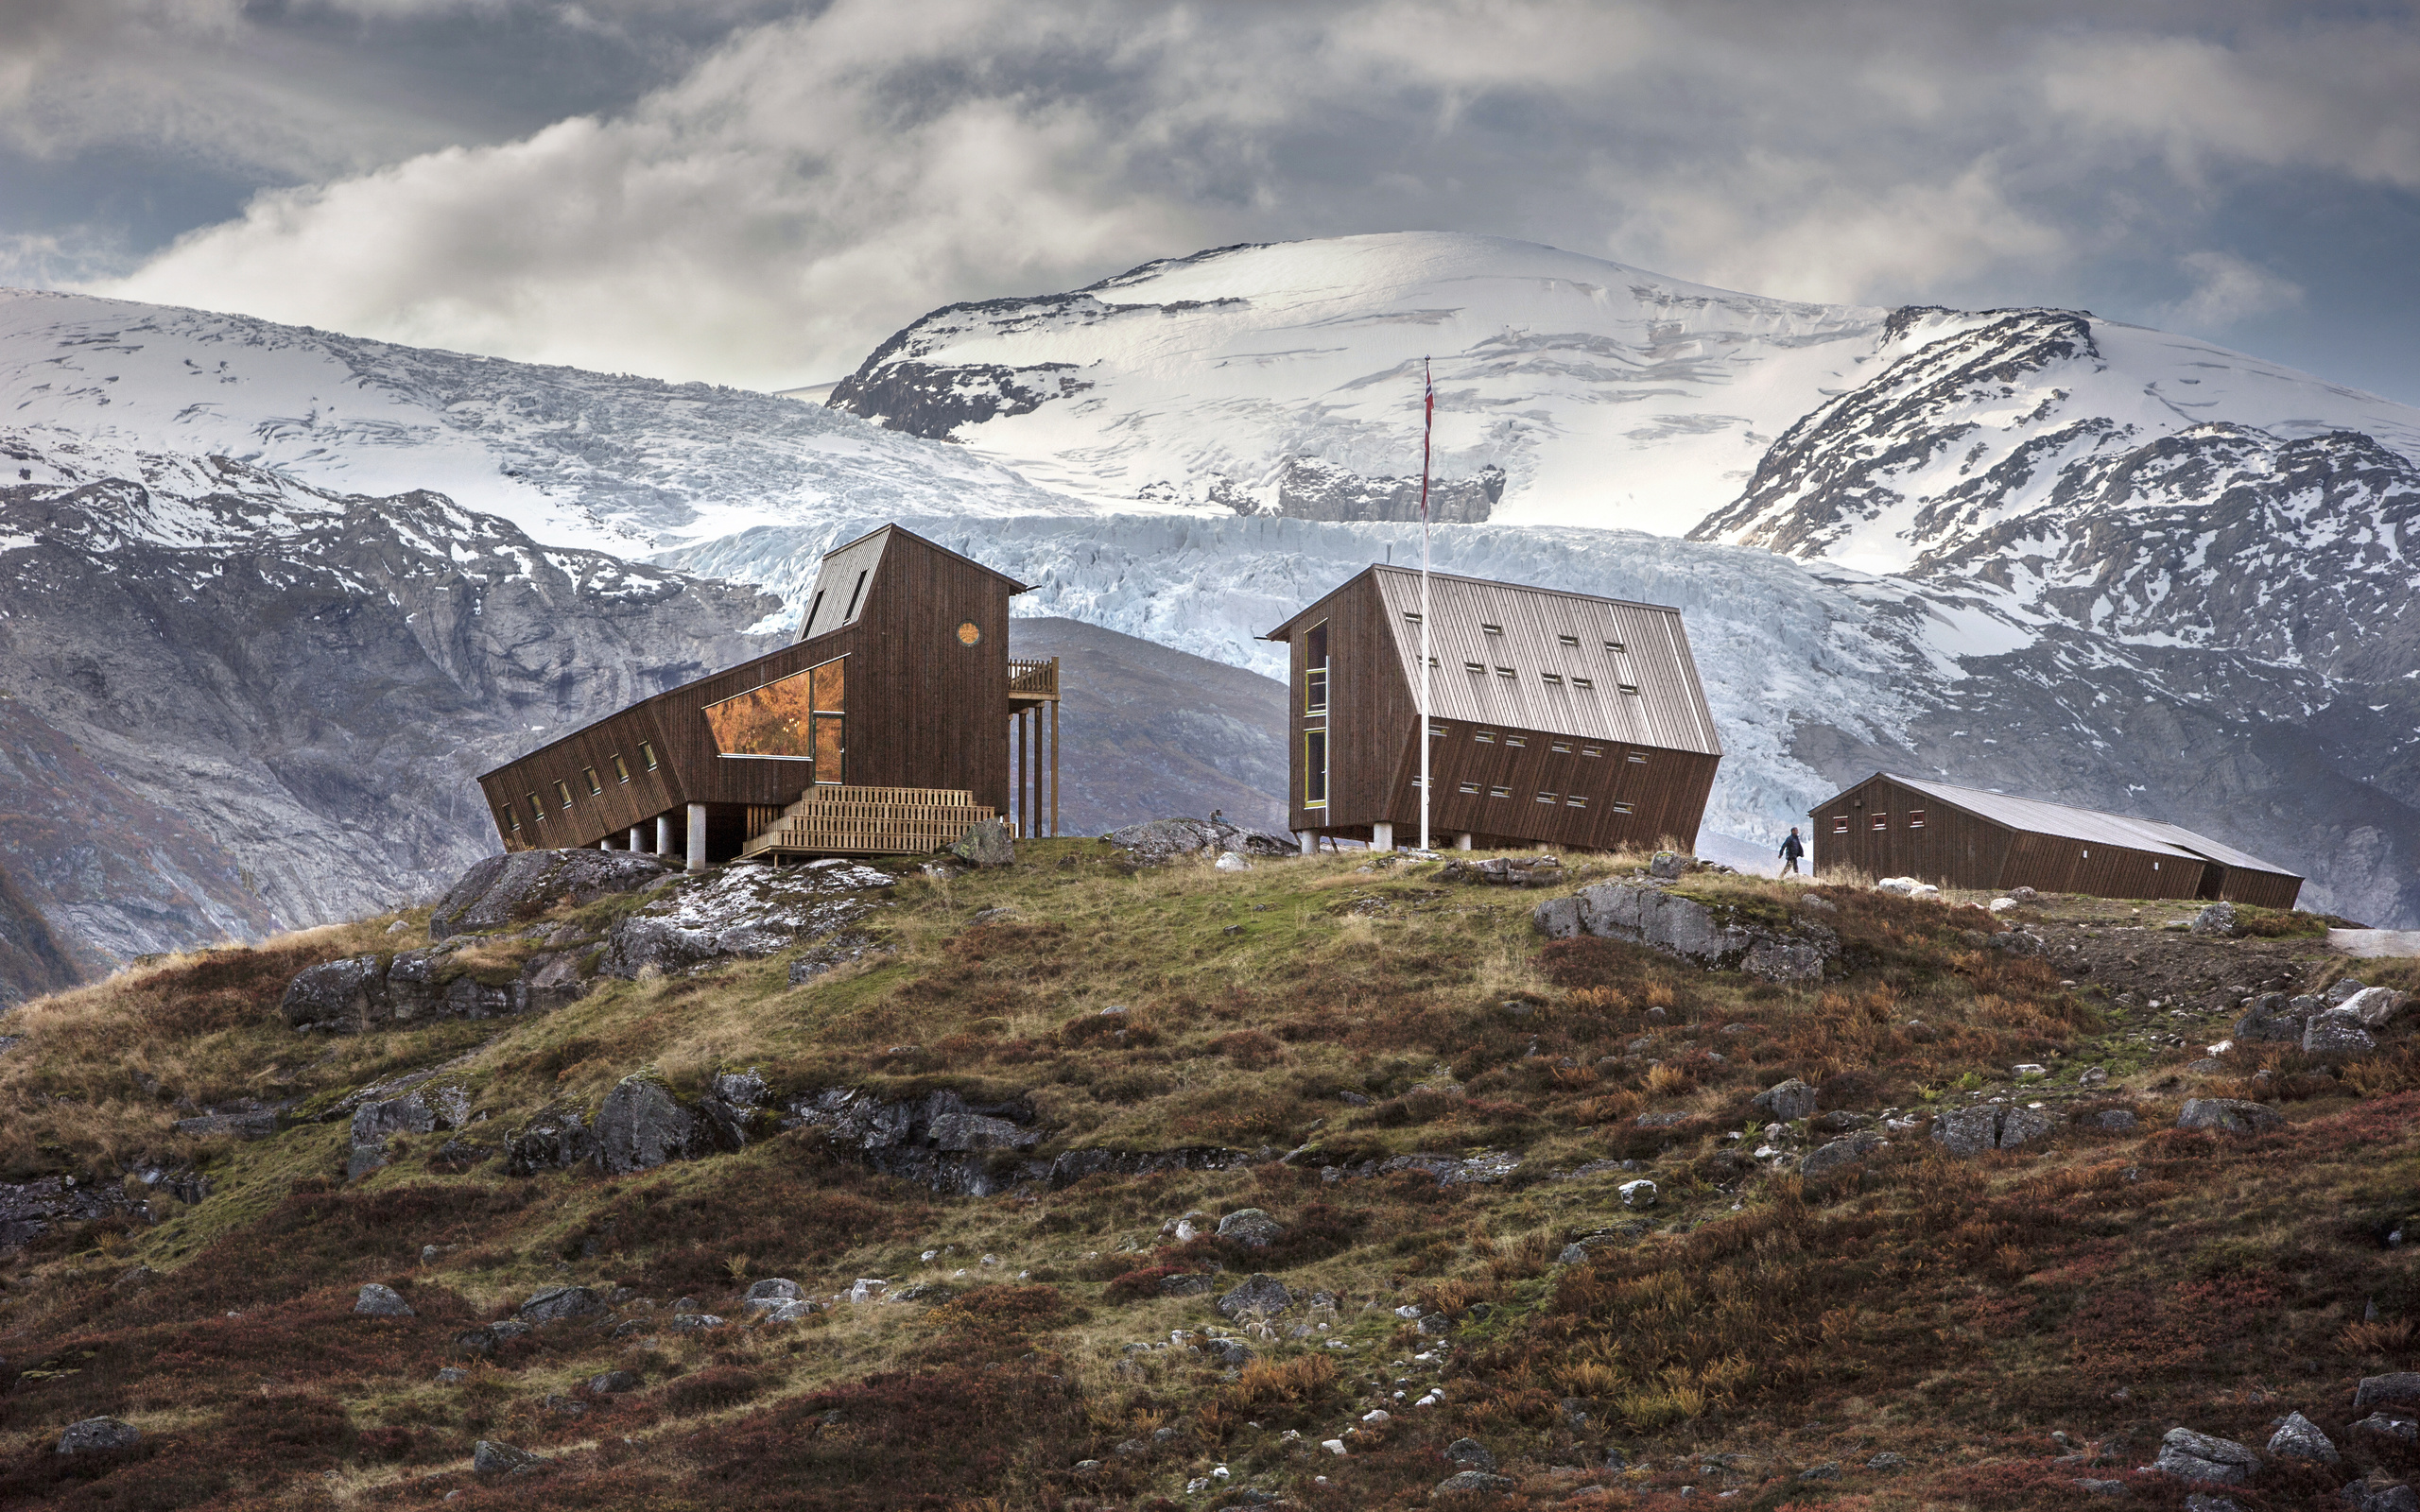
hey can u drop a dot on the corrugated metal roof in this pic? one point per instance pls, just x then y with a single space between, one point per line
2044 818
1547 660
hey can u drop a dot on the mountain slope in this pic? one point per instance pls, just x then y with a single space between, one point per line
599 460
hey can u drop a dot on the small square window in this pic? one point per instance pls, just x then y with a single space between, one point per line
1499 792
562 790
1616 645
1471 788
1435 730
1621 808
1575 801
621 768
1549 797
1504 672
1571 641
1475 666
1881 821
646 754
1637 760
1492 630
1552 680
1434 662
1412 617
1916 819
1484 737
1592 750
1589 683
594 787
1630 688
1840 824
1561 747
1516 740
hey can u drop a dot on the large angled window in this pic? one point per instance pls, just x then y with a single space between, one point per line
801 717
1315 769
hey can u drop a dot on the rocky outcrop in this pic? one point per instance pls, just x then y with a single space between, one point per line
2232 1115
556 1139
741 913
94 1435
361 993
1157 840
938 1140
1505 872
31 1209
2191 1456
1989 1126
506 890
1645 911
642 1125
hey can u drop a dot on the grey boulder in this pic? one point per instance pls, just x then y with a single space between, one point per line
2338 1031
2375 1006
2298 1437
379 1300
986 843
555 1140
549 1303
1786 1103
2233 1115
2191 1456
2402 1385
2219 918
1839 1154
93 1435
642 1125
1473 1483
613 1384
335 993
773 1290
1470 1454
492 1459
2272 1019
1250 1225
1259 1296
521 885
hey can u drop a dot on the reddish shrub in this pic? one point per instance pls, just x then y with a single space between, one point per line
1141 1285
718 1387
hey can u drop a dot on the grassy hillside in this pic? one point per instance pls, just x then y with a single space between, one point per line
1302 1026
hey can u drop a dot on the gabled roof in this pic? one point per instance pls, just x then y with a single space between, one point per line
1535 633
828 602
2090 825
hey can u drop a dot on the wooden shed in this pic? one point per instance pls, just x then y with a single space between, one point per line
1556 718
893 722
1891 826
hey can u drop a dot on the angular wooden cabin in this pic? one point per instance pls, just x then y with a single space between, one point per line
1556 718
877 731
1891 826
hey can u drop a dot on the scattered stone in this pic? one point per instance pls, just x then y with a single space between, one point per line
1639 1193
1230 861
1840 1154
2403 1428
96 1434
1907 887
1649 914
1191 1283
491 1459
2338 1031
1787 1102
2219 918
1660 1120
1233 1353
555 1140
1667 865
801 1310
772 1292
986 843
612 1382
868 1289
2092 1487
1251 1226
696 1323
2204 1502
642 1125
1887 1463
2375 1006
2191 1456
2234 1115
2298 1437
1967 1131
1475 1482
379 1300
1505 871
548 1303
2343 988
1259 1296
2403 1385
1828 1470
1470 1454
2115 1121
2001 906
452 1375
2272 1019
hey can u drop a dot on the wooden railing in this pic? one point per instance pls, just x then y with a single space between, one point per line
869 821
1035 681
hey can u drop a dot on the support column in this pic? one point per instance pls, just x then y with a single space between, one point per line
1032 779
1054 769
1310 839
606 844
1382 837
697 837
634 838
1462 841
663 834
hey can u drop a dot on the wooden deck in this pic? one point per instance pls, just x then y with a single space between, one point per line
865 821
1033 681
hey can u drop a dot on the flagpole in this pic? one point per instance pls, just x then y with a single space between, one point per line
1427 421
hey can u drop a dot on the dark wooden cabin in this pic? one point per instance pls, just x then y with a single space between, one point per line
878 729
1891 826
1556 718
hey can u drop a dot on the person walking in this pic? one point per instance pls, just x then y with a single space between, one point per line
1791 848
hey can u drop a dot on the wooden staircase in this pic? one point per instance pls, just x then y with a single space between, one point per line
865 821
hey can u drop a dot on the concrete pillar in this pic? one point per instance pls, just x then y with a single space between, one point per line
1310 839
606 844
697 837
663 834
634 838
1462 841
1382 836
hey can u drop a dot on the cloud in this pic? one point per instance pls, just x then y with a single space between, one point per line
789 197
2228 289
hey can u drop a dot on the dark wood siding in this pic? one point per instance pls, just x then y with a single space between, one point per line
1955 849
924 710
2261 890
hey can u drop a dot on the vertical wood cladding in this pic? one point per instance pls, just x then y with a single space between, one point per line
1886 828
1513 763
925 709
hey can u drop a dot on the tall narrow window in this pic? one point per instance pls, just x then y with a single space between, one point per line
814 609
594 786
854 594
646 754
537 810
512 819
1315 669
1315 768
830 704
621 768
562 790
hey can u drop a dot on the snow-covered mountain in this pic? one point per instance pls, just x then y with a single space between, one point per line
1256 377
598 460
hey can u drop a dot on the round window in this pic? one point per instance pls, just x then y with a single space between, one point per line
969 633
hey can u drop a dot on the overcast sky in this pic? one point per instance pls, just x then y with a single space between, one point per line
756 193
